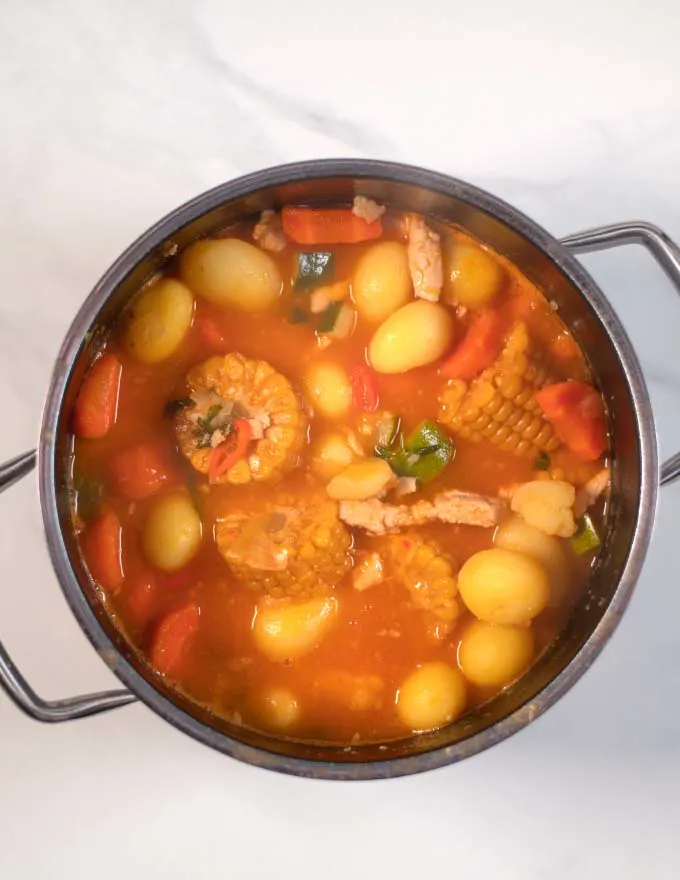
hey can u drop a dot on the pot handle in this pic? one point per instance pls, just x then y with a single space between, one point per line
13 682
665 252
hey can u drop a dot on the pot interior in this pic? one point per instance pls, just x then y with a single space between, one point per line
595 328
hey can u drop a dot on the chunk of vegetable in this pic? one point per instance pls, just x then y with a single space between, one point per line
286 631
478 350
278 707
140 470
173 638
432 696
364 388
158 321
417 334
382 281
504 587
331 454
472 276
314 269
494 656
171 536
361 480
423 454
327 226
547 505
576 411
516 534
231 450
328 389
339 319
97 402
231 272
101 546
585 538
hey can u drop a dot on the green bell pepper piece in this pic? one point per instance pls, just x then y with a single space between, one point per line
423 454
585 538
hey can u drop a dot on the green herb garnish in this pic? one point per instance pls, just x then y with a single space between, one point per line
172 407
423 454
585 538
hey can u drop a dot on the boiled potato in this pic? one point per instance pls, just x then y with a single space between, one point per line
418 334
231 272
504 587
278 708
493 656
382 281
158 321
516 534
331 454
472 276
363 479
547 505
172 532
431 696
328 389
289 631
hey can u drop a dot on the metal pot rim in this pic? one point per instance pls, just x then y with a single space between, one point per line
356 168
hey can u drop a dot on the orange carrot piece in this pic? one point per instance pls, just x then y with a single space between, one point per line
97 403
139 597
172 638
209 331
101 547
327 226
479 348
576 411
140 471
231 450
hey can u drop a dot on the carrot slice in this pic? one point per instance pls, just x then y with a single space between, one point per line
231 450
327 226
173 636
576 411
364 388
479 348
139 597
140 471
97 403
100 543
209 331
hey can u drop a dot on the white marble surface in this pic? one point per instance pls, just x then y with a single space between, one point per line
112 114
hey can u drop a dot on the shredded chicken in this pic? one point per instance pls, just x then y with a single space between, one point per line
406 486
368 572
367 209
322 297
464 508
269 233
588 494
424 259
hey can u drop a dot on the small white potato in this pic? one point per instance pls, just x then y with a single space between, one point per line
331 454
494 656
328 389
472 275
287 631
504 587
231 272
172 532
417 334
547 505
364 479
278 707
382 282
433 695
158 321
516 534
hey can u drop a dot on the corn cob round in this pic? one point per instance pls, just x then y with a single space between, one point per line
258 387
499 405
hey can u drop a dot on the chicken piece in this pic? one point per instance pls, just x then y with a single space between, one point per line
587 495
429 574
268 232
322 297
288 549
424 259
229 386
368 572
367 209
464 508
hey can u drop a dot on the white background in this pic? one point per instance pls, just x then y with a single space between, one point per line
114 113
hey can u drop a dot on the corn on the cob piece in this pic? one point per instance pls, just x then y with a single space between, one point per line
499 404
288 548
252 388
429 574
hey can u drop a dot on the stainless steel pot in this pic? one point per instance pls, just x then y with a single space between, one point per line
547 262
